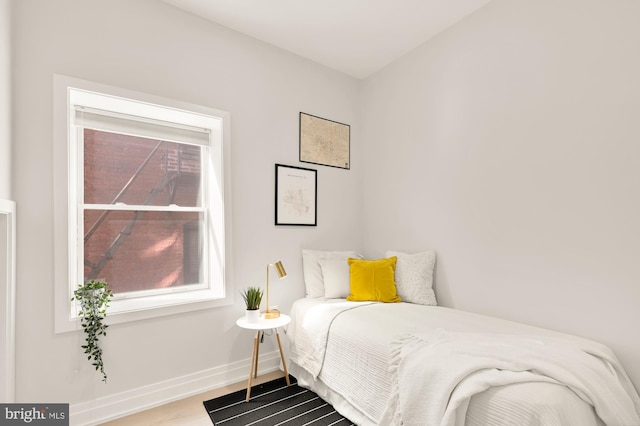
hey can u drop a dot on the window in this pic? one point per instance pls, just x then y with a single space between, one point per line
145 202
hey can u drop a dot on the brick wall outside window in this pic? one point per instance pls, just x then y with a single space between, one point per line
153 254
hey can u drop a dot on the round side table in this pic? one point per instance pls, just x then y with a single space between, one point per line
260 326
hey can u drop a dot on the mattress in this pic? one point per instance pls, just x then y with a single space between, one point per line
349 365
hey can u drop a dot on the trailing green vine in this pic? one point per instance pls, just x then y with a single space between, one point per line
94 298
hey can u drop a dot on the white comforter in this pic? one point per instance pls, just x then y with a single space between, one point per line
311 332
438 372
350 368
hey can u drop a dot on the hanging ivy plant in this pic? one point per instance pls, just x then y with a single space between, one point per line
94 298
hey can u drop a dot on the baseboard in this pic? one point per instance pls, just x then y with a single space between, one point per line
126 403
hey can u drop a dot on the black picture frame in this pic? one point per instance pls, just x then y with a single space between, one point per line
296 196
324 142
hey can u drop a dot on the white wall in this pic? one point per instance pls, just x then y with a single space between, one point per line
151 47
510 145
5 99
6 220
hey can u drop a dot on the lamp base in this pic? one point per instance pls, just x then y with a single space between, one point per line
271 314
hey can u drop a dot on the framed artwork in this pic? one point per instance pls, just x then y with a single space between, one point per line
296 196
324 142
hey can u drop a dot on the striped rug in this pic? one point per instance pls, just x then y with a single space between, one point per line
273 403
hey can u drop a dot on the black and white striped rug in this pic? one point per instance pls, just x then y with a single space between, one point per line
273 403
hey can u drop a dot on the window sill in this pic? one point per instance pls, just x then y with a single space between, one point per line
127 310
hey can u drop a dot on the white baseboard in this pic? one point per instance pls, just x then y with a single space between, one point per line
143 398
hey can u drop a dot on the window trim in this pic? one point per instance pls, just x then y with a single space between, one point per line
132 309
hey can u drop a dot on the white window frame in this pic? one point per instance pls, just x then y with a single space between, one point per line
72 95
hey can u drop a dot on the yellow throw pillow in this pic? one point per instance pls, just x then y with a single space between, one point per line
373 280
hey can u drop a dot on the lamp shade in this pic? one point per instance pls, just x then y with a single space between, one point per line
280 269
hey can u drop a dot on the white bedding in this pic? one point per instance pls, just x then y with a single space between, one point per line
311 335
457 366
354 372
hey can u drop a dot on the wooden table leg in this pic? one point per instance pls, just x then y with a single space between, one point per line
255 371
284 363
254 365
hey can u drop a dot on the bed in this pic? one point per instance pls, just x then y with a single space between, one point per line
423 364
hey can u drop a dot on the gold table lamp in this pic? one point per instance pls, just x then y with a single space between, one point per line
270 314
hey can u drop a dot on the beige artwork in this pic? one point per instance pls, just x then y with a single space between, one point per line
324 142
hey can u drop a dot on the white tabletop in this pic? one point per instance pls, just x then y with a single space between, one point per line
264 324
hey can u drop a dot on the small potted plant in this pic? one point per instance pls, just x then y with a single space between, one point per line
94 298
252 297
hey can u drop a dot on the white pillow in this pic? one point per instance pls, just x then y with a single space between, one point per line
414 276
336 277
313 281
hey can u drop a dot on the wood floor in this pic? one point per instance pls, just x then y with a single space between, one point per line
189 411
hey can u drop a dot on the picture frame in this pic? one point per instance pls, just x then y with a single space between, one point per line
296 196
324 142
